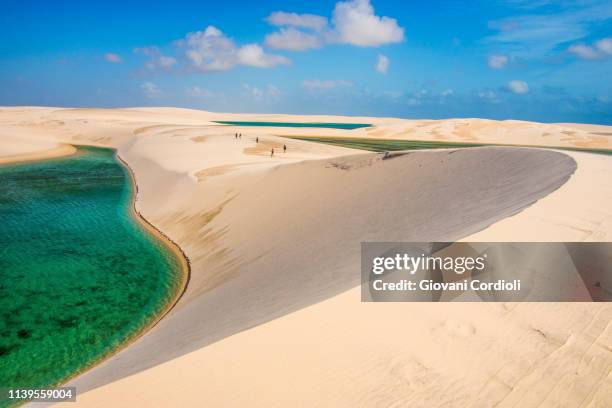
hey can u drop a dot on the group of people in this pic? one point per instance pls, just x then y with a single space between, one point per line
239 136
284 150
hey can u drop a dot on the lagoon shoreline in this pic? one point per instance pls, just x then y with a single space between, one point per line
184 266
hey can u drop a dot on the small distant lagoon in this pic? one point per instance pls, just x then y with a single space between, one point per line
79 274
347 126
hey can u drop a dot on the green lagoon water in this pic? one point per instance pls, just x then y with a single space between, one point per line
348 126
78 274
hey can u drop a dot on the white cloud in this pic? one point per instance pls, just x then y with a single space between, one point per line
536 35
112 58
161 62
488 95
382 64
584 51
310 21
320 85
254 56
273 91
148 51
600 49
446 92
211 50
197 92
166 62
293 40
256 93
156 58
498 61
355 23
252 91
150 90
605 45
518 87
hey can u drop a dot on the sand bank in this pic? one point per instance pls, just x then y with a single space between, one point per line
36 153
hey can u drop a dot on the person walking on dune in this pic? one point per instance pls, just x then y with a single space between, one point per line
284 148
257 140
272 152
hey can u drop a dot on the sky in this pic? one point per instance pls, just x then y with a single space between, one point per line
548 61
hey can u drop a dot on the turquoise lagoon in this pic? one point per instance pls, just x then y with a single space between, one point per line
347 126
79 275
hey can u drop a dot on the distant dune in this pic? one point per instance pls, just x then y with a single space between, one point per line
272 315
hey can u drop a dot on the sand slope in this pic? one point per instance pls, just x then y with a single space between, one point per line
343 353
304 223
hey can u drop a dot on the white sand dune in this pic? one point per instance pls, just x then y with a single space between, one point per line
303 225
272 317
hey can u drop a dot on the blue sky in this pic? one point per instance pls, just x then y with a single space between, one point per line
509 59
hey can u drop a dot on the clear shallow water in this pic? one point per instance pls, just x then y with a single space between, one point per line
78 274
348 126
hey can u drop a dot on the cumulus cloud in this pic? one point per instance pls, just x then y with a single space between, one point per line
605 45
599 49
256 93
321 85
197 92
518 87
211 50
382 64
584 51
447 92
254 56
487 94
293 39
165 62
498 61
353 22
310 21
156 59
112 58
150 90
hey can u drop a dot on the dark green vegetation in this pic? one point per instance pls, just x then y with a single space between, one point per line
79 275
383 145
348 126
387 145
